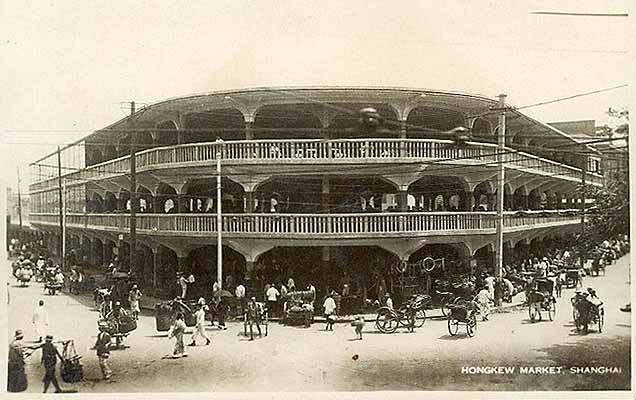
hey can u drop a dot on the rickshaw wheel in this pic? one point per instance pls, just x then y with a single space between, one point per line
453 326
532 312
471 326
420 318
385 322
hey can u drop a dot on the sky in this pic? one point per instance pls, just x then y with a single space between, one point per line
67 67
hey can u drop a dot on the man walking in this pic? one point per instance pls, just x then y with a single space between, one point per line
199 328
49 360
40 320
102 346
176 331
330 307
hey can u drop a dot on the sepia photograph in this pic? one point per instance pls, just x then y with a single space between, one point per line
221 197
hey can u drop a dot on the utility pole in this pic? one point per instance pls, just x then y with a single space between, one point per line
219 219
501 142
19 206
60 190
583 255
133 192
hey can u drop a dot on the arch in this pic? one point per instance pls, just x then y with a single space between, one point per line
96 203
347 124
427 188
482 128
200 195
432 122
146 199
166 199
110 152
485 196
110 202
286 121
166 133
209 125
520 198
144 140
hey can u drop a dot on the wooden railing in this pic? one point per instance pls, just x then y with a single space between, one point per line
313 224
326 151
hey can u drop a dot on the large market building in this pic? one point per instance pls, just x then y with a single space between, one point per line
307 191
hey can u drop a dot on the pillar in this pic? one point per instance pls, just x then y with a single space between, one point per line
249 271
324 200
249 130
156 258
403 136
182 263
492 201
403 200
469 200
249 202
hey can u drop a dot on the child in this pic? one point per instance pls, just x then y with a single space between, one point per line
358 323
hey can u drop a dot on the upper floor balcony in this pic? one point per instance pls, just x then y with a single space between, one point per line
321 226
280 155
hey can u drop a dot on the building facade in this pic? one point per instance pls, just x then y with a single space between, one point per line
306 189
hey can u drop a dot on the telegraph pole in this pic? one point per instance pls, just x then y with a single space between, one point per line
19 206
219 219
133 192
583 253
501 142
61 205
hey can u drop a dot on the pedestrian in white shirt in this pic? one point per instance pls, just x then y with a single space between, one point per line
40 320
483 299
490 283
199 328
330 308
239 292
272 299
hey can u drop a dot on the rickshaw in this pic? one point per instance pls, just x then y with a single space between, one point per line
298 308
411 315
541 298
572 278
463 312
587 310
119 329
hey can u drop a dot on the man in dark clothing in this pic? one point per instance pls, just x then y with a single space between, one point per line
17 379
102 346
49 360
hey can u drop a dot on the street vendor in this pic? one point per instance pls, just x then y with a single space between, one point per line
17 379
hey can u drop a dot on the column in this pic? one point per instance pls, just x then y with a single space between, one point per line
249 130
403 136
324 199
492 201
182 263
469 200
402 200
249 271
249 202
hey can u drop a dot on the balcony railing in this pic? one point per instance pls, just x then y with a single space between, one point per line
315 224
332 151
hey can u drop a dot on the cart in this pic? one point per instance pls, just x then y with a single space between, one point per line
572 278
411 315
463 312
298 308
52 287
587 311
541 298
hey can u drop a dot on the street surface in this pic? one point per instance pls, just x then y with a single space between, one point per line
299 359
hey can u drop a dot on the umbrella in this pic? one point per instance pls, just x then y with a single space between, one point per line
222 293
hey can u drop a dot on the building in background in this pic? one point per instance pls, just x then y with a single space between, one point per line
312 192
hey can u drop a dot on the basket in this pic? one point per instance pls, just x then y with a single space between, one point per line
72 370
